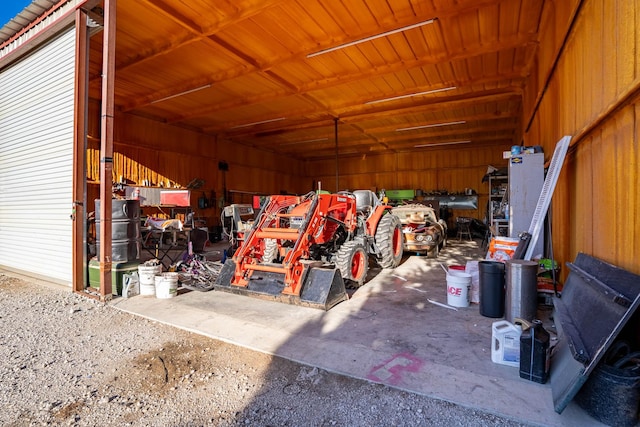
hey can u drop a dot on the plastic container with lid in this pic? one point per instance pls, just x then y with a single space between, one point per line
505 346
535 353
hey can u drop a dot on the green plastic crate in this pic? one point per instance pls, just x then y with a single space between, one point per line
118 270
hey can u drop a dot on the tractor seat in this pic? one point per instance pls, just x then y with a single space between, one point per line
364 200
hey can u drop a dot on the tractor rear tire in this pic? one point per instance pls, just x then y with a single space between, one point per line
353 263
270 250
389 240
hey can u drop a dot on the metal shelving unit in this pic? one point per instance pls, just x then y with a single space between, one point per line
498 205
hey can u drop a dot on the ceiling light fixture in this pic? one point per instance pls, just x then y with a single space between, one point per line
394 98
432 126
181 93
441 143
257 123
366 39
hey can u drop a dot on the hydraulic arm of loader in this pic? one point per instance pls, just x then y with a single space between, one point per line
311 230
294 223
248 258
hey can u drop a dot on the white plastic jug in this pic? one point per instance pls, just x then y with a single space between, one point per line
505 345
131 285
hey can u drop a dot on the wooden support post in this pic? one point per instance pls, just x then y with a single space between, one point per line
106 146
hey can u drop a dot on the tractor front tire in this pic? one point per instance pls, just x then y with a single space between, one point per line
270 250
389 240
353 263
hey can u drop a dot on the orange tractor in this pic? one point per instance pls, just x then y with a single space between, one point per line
305 249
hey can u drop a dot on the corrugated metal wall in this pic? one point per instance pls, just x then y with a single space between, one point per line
36 160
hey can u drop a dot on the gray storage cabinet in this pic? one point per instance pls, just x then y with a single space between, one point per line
526 177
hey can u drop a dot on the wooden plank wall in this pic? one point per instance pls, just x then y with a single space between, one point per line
146 149
593 94
261 171
434 169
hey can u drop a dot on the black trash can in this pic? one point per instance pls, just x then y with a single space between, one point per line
491 285
612 395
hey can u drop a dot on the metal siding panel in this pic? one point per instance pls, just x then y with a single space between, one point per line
36 160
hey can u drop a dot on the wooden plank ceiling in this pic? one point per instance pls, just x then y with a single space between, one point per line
258 72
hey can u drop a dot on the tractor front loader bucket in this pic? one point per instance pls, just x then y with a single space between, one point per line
322 288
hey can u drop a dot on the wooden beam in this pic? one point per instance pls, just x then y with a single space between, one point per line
364 143
468 52
294 125
459 101
198 33
498 115
106 147
328 153
345 79
507 130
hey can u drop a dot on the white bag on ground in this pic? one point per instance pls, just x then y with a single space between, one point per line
472 268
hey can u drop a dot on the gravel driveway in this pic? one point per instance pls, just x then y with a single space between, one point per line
69 360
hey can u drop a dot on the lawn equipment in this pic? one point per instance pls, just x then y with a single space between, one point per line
304 250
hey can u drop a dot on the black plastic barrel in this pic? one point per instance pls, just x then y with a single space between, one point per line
491 285
612 395
126 240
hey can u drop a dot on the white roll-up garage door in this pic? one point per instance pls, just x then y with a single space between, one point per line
36 160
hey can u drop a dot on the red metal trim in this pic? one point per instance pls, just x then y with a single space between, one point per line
40 19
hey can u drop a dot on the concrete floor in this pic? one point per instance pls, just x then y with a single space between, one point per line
388 332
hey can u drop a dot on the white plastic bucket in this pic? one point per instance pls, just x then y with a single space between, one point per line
166 285
147 276
505 346
458 288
